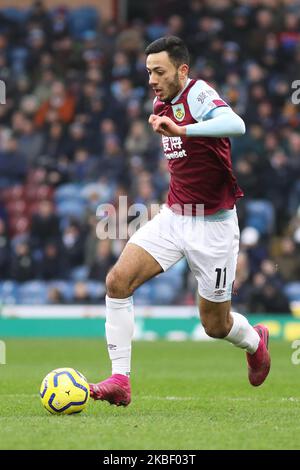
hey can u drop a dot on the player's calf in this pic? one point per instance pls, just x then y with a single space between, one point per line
215 318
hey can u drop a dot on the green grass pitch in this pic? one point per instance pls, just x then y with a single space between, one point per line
186 395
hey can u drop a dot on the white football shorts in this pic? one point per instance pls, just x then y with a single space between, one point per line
210 245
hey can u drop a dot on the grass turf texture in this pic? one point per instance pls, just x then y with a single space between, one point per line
186 395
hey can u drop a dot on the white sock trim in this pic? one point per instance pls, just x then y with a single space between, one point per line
113 302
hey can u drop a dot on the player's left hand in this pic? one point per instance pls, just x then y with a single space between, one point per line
165 126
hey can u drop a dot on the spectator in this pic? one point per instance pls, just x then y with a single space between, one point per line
137 142
54 145
45 225
254 247
112 164
60 102
270 270
55 296
288 261
81 294
73 246
31 142
60 26
77 139
265 297
51 264
84 167
4 251
103 262
39 16
241 283
22 267
13 165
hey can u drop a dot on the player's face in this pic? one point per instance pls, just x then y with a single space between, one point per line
164 77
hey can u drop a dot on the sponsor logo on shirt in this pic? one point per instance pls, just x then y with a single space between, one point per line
204 94
178 112
172 147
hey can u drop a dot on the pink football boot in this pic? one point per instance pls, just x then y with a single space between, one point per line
259 363
115 390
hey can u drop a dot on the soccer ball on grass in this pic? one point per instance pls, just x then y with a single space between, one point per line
64 391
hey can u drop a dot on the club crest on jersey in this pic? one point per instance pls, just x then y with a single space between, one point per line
179 112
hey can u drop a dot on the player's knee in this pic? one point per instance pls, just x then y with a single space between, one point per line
216 326
216 330
215 318
117 285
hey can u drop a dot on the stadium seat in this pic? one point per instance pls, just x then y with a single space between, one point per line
80 273
67 191
144 294
179 267
164 292
16 207
83 19
163 289
65 287
33 293
5 183
15 14
9 292
174 275
38 192
18 57
71 208
97 193
12 193
156 30
260 215
292 291
96 289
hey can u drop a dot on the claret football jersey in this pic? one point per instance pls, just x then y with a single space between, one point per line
200 167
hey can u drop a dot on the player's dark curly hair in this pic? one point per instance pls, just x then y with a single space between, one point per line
174 46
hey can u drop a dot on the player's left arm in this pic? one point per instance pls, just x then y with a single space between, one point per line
220 122
214 116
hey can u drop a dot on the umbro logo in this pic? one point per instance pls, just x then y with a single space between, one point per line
219 292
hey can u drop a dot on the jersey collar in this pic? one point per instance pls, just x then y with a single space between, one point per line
179 94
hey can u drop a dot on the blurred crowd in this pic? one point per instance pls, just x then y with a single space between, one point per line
74 134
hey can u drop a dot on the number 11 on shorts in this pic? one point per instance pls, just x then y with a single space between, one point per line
219 275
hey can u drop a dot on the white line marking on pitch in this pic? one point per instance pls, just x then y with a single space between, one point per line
237 399
168 398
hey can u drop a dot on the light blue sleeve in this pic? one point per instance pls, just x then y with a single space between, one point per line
219 122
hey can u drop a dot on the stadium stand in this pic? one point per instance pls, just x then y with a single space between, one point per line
74 134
